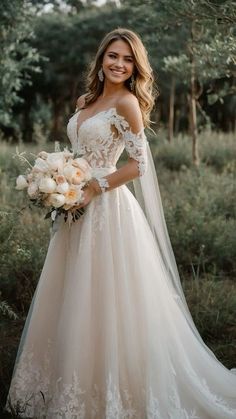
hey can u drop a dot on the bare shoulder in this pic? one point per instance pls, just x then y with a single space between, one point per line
128 107
80 103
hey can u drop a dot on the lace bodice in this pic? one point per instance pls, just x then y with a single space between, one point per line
102 138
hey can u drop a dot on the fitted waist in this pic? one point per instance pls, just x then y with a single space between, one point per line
102 171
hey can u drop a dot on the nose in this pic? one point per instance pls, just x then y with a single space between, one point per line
119 62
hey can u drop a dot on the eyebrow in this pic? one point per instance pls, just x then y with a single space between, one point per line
113 52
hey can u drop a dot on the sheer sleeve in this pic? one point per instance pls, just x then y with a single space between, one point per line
136 147
135 144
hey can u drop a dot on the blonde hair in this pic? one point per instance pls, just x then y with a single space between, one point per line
143 74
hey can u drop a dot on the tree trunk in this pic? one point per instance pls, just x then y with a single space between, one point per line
171 110
193 108
193 124
56 127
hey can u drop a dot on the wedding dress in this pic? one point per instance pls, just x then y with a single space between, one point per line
108 334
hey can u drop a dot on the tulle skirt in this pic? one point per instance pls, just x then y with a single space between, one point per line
104 337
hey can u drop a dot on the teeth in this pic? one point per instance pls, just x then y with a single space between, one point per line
117 72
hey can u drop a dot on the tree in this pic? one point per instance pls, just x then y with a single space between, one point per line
206 52
18 58
209 54
69 41
183 39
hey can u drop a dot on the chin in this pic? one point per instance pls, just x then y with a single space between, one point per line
116 80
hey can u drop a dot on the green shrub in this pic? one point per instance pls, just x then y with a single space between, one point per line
200 214
175 156
24 239
218 151
213 304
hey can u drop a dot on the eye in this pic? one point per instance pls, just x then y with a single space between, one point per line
129 60
111 55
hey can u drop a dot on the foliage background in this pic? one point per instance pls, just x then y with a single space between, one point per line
46 47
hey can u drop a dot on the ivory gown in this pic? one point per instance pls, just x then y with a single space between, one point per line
105 337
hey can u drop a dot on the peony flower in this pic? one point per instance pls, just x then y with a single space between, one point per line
84 166
56 200
77 177
73 196
32 190
47 185
63 187
21 182
60 179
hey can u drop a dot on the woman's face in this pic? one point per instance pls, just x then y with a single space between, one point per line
118 62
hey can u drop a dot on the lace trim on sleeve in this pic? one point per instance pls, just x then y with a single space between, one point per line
135 144
103 183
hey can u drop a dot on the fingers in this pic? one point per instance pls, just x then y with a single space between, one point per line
76 207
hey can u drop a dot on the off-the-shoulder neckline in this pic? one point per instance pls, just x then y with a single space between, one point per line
113 108
95 115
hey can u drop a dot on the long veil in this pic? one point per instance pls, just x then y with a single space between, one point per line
147 193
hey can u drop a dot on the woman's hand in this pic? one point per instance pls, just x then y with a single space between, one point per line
89 192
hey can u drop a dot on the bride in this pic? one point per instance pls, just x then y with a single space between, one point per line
109 334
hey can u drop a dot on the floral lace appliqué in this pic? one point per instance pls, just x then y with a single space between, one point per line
103 183
101 146
135 145
36 393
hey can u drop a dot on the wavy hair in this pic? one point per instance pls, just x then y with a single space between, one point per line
143 74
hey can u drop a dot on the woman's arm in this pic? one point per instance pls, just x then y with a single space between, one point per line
129 108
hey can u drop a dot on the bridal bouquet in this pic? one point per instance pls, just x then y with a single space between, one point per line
56 181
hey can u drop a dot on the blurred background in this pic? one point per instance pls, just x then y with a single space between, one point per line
45 50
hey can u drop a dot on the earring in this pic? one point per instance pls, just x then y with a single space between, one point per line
132 83
101 75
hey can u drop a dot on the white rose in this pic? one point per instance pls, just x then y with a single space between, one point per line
32 189
47 185
21 182
56 161
69 171
57 200
40 165
63 187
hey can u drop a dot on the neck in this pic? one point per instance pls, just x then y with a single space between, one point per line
111 89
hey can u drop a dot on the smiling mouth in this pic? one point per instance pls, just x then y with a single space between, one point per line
119 73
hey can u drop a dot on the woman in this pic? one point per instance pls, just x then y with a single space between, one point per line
109 334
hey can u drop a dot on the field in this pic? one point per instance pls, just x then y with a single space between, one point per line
200 210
